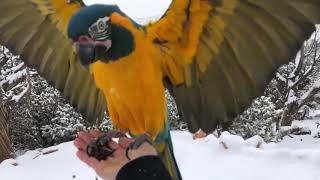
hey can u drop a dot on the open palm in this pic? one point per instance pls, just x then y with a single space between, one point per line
109 168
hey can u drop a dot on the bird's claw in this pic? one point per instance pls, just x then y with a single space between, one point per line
140 140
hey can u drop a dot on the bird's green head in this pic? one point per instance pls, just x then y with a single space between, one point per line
96 38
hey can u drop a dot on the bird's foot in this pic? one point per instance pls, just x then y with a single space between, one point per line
140 140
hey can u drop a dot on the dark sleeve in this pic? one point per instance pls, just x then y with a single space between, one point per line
144 168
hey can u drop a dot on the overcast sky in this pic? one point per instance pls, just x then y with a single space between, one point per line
137 8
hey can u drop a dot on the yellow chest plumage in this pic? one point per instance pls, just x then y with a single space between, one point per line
133 89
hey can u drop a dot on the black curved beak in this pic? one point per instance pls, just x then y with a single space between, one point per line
91 52
86 53
101 51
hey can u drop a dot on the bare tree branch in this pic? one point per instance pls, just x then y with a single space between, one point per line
309 71
301 61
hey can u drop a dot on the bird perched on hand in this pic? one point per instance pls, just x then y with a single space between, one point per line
215 57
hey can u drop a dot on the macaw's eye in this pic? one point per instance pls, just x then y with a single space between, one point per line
101 25
100 30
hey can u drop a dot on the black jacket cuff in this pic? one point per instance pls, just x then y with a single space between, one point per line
144 168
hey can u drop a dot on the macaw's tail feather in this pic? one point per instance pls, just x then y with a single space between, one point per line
166 153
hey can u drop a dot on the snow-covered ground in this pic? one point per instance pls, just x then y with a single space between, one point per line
226 158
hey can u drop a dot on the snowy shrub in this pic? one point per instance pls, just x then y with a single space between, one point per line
64 127
106 123
25 134
256 120
171 107
14 77
173 114
43 119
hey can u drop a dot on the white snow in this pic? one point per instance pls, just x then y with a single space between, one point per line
137 9
226 158
242 161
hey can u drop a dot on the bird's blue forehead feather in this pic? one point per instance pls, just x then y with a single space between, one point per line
85 17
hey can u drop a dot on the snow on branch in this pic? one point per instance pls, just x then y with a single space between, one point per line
14 77
18 97
313 92
295 79
280 77
15 80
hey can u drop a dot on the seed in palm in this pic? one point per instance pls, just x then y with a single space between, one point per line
99 148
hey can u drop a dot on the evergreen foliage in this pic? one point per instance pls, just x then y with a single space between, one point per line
256 120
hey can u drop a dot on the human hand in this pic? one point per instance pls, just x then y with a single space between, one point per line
109 168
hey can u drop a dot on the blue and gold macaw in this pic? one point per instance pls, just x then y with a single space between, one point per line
215 57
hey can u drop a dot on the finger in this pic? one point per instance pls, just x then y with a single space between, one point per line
95 133
93 162
86 137
80 144
82 156
125 142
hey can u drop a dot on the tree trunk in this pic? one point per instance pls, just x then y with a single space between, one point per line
5 143
290 113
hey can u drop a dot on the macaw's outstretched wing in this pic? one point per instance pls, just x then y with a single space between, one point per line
221 54
36 29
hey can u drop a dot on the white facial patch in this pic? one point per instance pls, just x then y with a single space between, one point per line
100 30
